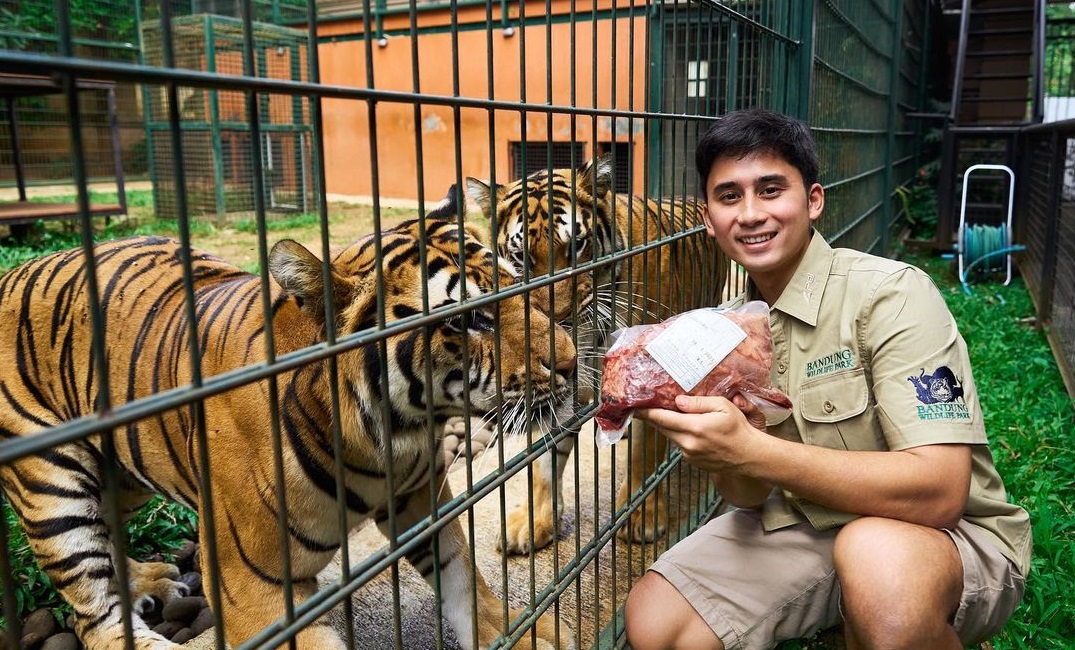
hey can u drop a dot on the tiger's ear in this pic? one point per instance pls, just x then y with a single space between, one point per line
299 273
481 194
596 177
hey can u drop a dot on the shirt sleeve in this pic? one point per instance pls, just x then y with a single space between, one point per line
921 369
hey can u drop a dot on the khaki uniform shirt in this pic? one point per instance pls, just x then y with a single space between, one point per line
871 358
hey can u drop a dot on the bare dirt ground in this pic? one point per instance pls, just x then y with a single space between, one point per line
347 222
236 239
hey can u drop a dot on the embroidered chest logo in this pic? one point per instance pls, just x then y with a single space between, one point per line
839 360
940 394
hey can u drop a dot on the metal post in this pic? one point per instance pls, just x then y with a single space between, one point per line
20 173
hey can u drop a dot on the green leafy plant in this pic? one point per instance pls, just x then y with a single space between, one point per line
919 201
161 526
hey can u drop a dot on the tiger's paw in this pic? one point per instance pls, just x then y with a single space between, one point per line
154 580
455 435
647 522
517 530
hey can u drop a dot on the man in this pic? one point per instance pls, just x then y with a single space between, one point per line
876 502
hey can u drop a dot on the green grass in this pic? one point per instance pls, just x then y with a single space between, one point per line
1029 418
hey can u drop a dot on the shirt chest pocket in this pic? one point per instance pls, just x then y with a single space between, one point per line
837 413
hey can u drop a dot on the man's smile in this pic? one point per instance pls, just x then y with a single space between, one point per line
757 239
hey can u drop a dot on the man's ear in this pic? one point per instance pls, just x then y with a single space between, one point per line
816 200
707 219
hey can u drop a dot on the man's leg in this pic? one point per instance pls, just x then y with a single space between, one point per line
730 580
658 617
901 584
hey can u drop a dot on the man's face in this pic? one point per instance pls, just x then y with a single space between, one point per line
760 214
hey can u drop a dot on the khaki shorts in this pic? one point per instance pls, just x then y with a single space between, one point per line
756 589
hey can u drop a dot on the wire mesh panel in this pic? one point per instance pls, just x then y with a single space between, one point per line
1045 228
36 170
216 130
429 363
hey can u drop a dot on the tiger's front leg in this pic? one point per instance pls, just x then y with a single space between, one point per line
475 628
546 484
251 578
649 521
65 525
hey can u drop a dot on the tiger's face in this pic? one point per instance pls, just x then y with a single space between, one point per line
460 352
556 220
600 262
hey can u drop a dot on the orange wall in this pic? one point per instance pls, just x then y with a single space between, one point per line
347 121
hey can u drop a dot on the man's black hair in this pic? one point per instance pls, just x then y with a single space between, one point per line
753 130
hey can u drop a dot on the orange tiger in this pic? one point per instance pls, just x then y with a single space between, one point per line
554 221
48 377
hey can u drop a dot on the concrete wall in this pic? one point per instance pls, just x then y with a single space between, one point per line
619 77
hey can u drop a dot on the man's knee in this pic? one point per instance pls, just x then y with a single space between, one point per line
888 553
657 616
643 619
899 581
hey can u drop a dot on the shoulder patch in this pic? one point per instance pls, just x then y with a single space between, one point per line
940 395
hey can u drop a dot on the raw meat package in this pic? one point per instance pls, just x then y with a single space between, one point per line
708 351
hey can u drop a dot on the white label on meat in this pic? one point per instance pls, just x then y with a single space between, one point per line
693 344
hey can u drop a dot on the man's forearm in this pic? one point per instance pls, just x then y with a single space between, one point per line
926 485
741 491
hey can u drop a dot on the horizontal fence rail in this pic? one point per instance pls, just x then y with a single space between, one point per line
309 314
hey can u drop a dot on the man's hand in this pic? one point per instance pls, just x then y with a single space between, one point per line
717 435
713 432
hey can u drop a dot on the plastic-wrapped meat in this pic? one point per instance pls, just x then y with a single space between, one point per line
649 365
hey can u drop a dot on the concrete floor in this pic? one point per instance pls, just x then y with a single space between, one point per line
588 603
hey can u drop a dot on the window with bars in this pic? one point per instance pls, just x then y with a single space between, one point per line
529 157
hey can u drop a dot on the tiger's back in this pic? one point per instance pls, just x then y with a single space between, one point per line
50 372
688 272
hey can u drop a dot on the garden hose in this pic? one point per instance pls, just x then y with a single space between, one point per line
982 243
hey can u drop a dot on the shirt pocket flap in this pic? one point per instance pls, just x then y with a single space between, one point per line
835 397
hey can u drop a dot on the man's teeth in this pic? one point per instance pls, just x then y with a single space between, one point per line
757 239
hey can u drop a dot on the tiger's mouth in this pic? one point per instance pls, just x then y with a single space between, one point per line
541 412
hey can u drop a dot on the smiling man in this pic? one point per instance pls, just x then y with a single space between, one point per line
875 503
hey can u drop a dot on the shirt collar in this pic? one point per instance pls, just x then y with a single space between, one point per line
801 299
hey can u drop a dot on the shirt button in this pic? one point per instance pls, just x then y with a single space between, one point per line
828 406
781 367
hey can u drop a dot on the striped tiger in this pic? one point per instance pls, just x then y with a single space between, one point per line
560 219
47 377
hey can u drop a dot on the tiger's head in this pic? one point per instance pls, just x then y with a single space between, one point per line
553 220
452 342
